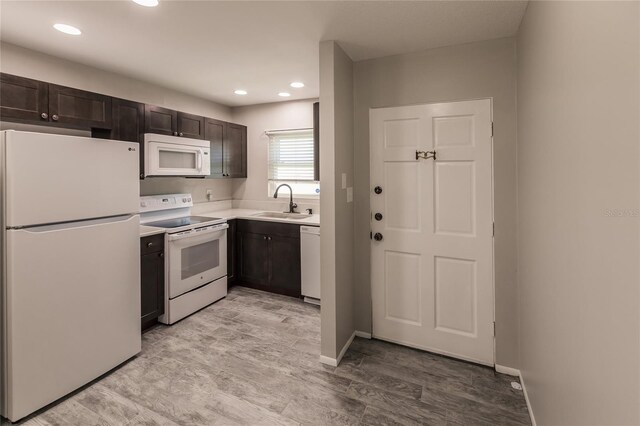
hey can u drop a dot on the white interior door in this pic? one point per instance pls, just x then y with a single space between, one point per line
432 271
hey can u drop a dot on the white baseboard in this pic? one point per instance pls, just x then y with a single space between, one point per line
515 372
328 361
363 334
335 361
507 370
526 398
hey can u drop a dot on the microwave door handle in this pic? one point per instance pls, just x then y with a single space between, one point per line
199 160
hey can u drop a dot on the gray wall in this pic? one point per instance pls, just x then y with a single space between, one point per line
28 63
469 71
578 196
336 232
258 118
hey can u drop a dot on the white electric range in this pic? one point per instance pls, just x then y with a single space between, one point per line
195 254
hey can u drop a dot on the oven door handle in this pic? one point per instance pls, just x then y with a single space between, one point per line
192 234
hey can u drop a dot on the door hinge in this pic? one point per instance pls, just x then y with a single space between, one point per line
492 129
494 329
493 230
371 235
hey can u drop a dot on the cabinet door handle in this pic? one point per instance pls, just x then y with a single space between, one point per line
54 117
181 134
44 115
149 244
161 254
175 133
265 237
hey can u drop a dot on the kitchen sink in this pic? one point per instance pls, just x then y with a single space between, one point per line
278 215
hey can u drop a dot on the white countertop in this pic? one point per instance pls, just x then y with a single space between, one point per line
309 220
145 231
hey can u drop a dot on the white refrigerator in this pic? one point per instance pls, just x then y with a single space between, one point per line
70 264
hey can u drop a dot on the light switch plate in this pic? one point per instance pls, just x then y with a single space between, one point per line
344 180
349 194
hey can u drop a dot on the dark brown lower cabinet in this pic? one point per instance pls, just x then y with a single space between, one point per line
151 279
253 259
232 258
269 256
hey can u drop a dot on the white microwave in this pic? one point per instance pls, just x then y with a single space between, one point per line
176 156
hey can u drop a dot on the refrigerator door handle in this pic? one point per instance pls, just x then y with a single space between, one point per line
77 224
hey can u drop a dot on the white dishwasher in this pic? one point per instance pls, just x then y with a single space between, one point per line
310 259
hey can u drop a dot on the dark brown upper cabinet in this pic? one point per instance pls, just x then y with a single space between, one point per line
235 151
316 141
32 101
35 101
190 126
160 120
128 120
79 108
23 99
214 131
128 125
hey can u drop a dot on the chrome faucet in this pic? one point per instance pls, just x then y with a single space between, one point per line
292 205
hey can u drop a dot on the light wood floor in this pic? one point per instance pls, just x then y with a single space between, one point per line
252 358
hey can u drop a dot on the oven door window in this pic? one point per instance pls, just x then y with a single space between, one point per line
176 160
199 258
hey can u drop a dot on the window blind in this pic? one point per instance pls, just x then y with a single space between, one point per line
291 155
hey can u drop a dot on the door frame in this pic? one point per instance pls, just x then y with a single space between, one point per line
493 239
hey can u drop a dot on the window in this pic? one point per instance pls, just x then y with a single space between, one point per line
291 161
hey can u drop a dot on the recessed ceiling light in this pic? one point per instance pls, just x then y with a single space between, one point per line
284 94
297 84
147 3
240 92
67 29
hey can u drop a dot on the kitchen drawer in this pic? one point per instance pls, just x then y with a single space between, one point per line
152 244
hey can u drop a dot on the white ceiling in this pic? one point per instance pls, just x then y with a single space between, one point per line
208 48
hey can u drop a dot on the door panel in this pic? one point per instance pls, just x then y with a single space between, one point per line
432 272
190 126
23 98
454 194
128 121
402 287
196 260
284 265
151 286
235 151
253 258
76 315
401 204
101 174
453 131
160 120
79 108
214 132
455 301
